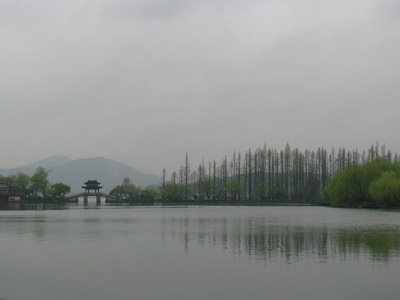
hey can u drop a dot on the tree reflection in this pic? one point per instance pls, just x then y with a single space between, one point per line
379 242
260 239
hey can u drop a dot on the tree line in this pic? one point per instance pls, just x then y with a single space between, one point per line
338 177
36 187
266 175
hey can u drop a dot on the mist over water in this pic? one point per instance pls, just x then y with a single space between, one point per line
105 252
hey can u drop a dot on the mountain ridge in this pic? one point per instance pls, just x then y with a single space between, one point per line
74 172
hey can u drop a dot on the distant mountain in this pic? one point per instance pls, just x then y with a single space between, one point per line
47 163
75 172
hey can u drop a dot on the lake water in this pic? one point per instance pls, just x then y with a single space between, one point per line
120 252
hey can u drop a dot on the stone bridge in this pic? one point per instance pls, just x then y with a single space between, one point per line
85 195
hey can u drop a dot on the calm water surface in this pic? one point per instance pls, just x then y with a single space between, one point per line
174 253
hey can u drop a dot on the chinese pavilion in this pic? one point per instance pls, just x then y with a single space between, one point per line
92 185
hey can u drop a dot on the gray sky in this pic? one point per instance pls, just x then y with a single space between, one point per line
144 82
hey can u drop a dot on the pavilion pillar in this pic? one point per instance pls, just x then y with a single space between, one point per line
85 199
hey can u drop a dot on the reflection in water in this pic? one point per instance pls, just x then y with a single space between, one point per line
253 237
32 206
379 242
25 225
257 239
231 253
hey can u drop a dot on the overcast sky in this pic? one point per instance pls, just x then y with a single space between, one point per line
146 81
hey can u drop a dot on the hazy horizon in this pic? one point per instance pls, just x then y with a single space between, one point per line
144 82
206 162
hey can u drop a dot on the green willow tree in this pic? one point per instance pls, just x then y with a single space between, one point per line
376 183
20 183
126 191
385 190
58 191
39 183
148 194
